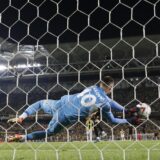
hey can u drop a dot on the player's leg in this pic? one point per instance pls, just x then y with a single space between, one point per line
90 135
99 127
56 127
31 136
53 127
96 131
49 106
87 133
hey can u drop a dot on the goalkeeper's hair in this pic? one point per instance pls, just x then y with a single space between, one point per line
108 80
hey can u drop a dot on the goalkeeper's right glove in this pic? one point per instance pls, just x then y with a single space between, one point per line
15 120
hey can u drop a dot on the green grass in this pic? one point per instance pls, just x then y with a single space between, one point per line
105 150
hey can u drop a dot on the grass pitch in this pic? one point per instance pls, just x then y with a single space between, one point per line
105 150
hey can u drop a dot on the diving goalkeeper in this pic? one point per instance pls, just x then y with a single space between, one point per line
71 108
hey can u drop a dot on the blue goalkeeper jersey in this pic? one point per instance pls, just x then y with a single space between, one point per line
79 106
89 101
71 108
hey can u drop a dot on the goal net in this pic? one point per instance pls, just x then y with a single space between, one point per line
51 48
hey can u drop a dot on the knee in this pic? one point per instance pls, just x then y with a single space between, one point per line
54 129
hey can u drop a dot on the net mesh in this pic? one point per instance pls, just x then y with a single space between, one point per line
49 48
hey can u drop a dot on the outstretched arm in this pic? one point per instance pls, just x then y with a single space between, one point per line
135 120
29 111
109 115
33 108
116 106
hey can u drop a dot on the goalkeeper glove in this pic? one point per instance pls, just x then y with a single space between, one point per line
14 120
132 111
135 120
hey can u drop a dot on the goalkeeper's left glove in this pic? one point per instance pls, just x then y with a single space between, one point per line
132 111
15 120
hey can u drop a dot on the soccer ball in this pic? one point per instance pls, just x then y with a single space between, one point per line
145 109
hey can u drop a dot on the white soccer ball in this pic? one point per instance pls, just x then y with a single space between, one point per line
145 109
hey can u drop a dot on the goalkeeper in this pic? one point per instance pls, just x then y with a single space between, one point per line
71 108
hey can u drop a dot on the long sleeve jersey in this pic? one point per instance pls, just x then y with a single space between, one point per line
89 101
